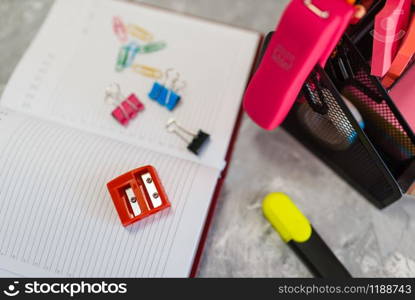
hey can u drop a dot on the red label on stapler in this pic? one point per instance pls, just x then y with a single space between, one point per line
138 194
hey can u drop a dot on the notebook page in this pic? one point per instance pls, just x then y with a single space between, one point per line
76 67
56 216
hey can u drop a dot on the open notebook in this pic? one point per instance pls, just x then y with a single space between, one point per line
59 145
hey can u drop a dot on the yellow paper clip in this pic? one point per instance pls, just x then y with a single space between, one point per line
140 33
148 71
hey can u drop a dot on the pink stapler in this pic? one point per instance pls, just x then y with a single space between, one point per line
306 36
390 29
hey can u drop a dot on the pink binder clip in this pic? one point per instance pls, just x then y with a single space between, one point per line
306 35
119 29
126 109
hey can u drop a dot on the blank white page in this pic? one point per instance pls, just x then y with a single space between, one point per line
65 72
57 218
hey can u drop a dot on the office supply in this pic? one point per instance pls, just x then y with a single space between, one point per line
140 33
173 97
122 58
389 30
153 47
297 232
298 44
402 58
133 49
62 145
125 109
138 194
158 90
119 29
147 71
198 140
402 94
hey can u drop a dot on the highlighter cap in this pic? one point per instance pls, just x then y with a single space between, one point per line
286 218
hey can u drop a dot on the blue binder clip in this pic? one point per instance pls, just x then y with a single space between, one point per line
173 97
159 91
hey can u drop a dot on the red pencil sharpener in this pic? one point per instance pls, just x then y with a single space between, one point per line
138 194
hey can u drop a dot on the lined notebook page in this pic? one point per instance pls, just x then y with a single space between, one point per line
57 218
64 74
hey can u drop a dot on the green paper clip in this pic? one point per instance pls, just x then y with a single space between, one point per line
122 58
153 47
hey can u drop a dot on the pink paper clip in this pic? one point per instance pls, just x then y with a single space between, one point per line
119 29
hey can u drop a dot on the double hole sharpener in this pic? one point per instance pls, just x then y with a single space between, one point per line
138 194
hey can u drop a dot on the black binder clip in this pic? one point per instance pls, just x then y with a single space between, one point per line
196 143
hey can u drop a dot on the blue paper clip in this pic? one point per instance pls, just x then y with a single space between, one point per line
133 49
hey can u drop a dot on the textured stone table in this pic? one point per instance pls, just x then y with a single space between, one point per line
370 242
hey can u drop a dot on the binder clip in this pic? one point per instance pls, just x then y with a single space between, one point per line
168 97
138 194
198 140
173 97
126 56
159 91
119 29
126 109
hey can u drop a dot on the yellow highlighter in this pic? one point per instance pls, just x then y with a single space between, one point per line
297 232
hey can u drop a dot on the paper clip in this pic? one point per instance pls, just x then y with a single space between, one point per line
140 33
196 143
125 110
153 47
119 29
147 71
122 58
126 56
133 49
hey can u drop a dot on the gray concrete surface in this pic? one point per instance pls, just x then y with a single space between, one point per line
370 242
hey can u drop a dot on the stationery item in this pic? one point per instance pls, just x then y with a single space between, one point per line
119 29
133 49
67 224
173 97
138 194
168 97
297 232
153 47
390 29
147 71
298 44
125 110
402 58
198 141
140 33
122 58
159 91
126 56
403 95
